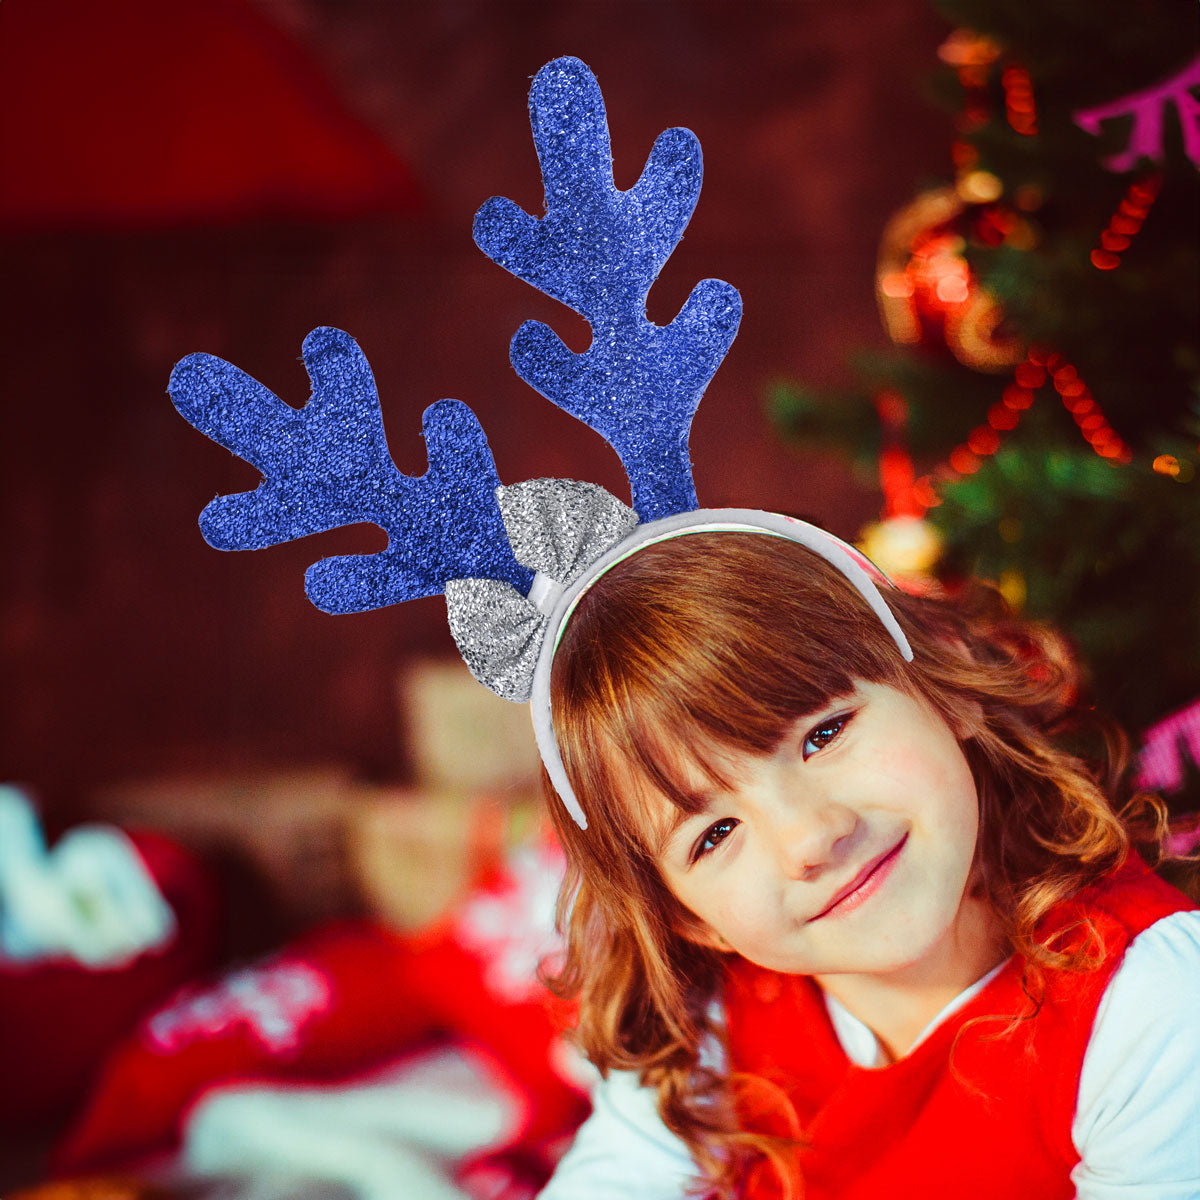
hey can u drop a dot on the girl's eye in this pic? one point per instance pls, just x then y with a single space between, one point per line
713 836
822 735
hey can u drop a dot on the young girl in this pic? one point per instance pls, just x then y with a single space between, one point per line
843 925
845 917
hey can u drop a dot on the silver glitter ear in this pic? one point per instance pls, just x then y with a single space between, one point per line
498 632
557 527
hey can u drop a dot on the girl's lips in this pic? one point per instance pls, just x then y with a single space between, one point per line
864 885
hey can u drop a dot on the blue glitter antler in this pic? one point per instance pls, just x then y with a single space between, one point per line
598 250
327 464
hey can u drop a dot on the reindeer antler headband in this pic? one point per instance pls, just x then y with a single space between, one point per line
511 561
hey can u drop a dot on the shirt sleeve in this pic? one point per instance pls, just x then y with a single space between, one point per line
1137 1123
623 1151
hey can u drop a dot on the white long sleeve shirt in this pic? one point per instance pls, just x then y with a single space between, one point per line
1137 1121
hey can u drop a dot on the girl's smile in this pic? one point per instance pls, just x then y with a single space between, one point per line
866 883
846 850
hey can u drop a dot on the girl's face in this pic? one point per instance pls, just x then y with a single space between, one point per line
845 850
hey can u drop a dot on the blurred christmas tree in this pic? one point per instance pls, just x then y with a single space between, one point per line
1045 309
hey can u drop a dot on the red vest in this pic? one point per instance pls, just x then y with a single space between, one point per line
990 1121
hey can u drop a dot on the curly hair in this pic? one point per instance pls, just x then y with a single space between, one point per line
719 641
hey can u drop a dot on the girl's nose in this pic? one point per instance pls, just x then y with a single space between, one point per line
812 838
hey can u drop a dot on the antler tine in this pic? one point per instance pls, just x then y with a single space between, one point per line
599 250
327 464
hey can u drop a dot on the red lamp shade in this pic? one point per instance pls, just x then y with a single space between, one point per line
135 113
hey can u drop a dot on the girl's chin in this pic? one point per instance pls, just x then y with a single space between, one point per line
884 952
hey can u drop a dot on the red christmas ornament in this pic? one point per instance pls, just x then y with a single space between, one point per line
1018 99
1125 223
926 292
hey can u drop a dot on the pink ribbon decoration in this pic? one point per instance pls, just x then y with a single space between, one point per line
1147 108
1161 762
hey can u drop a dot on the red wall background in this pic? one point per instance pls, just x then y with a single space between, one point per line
217 176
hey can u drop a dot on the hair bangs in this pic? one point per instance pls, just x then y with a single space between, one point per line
696 647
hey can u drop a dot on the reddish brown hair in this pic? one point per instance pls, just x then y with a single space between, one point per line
719 641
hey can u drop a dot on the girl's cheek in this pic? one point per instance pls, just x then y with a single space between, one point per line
747 912
901 763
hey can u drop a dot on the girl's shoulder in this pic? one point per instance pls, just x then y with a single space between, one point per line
1132 896
1139 1086
1156 981
1099 925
